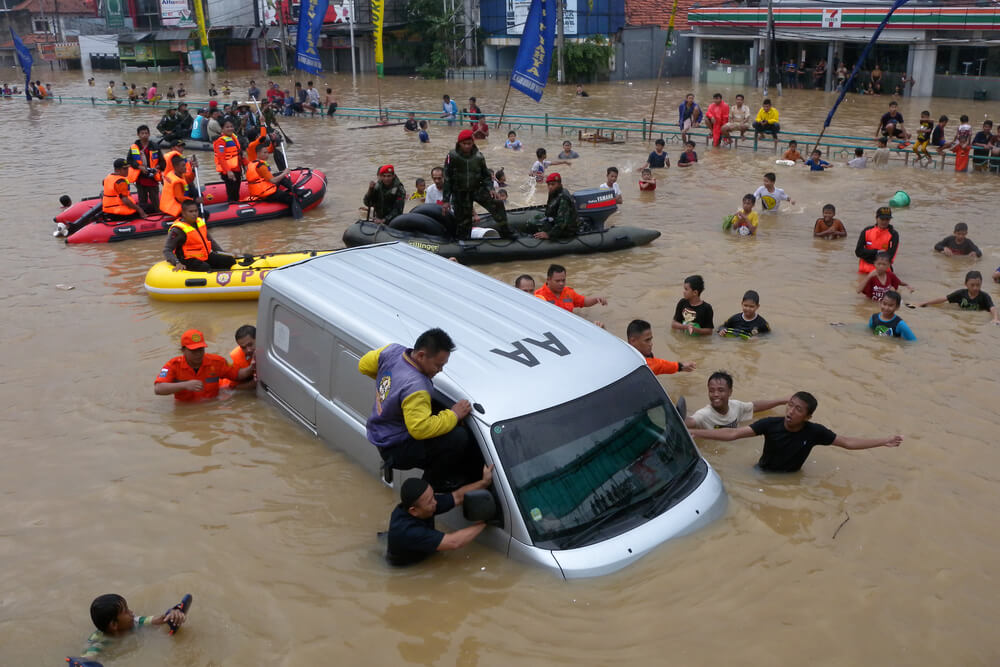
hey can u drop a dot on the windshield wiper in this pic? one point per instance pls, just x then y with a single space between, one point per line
582 536
666 494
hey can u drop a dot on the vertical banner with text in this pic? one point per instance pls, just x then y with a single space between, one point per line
534 57
378 13
311 15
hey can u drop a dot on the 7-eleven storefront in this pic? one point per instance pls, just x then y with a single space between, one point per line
946 51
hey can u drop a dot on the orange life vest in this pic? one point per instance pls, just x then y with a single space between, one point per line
258 180
138 155
196 243
876 238
172 195
227 153
111 201
168 166
253 145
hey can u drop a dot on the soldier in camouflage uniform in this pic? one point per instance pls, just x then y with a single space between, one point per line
387 197
466 180
561 219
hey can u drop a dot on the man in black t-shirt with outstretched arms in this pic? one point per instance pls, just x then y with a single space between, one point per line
789 439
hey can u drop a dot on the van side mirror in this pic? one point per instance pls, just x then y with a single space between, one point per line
479 505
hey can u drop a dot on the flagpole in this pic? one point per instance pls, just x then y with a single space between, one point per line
857 68
504 108
659 75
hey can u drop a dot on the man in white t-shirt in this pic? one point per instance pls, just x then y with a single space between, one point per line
434 195
723 411
612 184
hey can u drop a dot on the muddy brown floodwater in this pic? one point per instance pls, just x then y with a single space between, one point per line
107 488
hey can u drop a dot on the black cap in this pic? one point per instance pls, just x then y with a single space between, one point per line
883 212
411 491
120 162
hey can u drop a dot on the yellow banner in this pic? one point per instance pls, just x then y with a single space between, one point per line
199 16
378 12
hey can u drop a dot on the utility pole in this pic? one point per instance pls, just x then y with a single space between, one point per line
768 46
284 37
560 41
350 19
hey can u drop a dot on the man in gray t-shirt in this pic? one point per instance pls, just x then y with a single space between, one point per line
724 411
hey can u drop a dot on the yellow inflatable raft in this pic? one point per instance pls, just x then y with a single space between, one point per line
242 282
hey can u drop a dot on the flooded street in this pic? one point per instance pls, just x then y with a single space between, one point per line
108 488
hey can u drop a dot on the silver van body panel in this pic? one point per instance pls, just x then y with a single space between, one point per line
515 355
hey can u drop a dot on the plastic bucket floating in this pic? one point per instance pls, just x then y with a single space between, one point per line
900 199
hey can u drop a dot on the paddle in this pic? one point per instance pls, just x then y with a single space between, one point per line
284 136
197 186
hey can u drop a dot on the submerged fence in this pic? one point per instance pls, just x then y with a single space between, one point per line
596 130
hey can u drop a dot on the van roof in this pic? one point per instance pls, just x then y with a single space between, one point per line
515 354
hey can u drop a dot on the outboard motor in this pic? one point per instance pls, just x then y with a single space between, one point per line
595 206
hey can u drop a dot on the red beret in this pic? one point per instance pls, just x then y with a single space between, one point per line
465 134
554 176
386 169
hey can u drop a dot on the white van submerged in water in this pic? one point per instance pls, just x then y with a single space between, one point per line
593 466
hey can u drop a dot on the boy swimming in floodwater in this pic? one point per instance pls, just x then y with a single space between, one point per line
881 279
646 180
113 619
744 222
769 196
886 322
513 142
692 313
829 226
747 323
970 298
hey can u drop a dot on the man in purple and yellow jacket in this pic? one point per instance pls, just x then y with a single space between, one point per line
402 424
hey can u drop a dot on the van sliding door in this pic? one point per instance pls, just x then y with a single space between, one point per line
296 348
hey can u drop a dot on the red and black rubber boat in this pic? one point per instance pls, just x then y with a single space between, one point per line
85 223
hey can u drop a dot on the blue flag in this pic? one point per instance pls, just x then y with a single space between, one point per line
311 14
25 60
538 40
861 61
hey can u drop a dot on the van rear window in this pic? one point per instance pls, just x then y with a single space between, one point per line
599 465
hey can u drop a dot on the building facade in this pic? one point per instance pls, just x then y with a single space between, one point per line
942 50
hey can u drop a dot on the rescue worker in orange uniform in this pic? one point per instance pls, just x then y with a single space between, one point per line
243 355
177 148
189 245
144 164
878 237
116 202
175 187
229 160
195 375
265 186
640 336
555 291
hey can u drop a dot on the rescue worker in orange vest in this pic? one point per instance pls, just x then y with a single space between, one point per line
116 203
555 291
144 164
265 186
194 375
243 355
878 237
175 187
177 148
190 246
229 160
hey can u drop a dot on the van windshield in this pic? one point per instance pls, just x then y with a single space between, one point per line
599 465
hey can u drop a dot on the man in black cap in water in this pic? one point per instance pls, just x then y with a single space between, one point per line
412 535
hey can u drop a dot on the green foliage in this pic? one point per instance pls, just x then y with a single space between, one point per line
585 60
274 71
427 37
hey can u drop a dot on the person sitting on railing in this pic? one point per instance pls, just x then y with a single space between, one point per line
766 120
690 115
739 118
